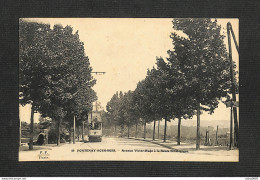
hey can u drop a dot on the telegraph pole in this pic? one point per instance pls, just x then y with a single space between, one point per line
217 136
20 130
231 127
159 129
83 128
74 130
229 28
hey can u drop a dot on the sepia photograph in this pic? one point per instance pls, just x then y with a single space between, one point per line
129 89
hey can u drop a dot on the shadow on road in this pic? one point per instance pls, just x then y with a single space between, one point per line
161 144
209 148
183 147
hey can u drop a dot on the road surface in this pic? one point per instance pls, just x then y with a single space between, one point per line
113 149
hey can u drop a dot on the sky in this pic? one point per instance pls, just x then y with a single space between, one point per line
125 48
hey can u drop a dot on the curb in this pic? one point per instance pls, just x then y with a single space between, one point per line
173 149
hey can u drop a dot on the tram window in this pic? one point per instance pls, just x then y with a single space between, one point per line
97 126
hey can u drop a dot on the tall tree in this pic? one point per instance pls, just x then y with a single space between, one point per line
121 118
181 106
153 98
203 60
55 74
112 108
128 108
70 80
32 66
136 108
144 103
163 104
153 80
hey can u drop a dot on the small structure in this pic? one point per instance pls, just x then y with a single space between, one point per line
42 137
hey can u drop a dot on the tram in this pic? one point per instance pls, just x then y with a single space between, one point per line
95 126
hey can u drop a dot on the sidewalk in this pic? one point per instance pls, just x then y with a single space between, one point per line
183 147
40 147
167 144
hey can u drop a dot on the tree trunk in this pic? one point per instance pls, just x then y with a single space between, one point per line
31 130
115 131
179 132
87 129
83 129
136 130
78 132
122 130
58 133
165 126
128 131
217 136
206 138
70 134
153 129
74 129
144 129
198 127
158 129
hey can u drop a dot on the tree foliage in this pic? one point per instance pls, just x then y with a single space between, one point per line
202 57
193 78
55 74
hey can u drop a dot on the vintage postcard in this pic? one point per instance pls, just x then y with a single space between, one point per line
129 89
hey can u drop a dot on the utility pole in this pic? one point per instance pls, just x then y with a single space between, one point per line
229 28
20 130
159 129
74 129
217 136
144 128
231 127
198 128
136 130
206 138
31 129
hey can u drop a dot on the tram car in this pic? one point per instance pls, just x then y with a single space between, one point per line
95 127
